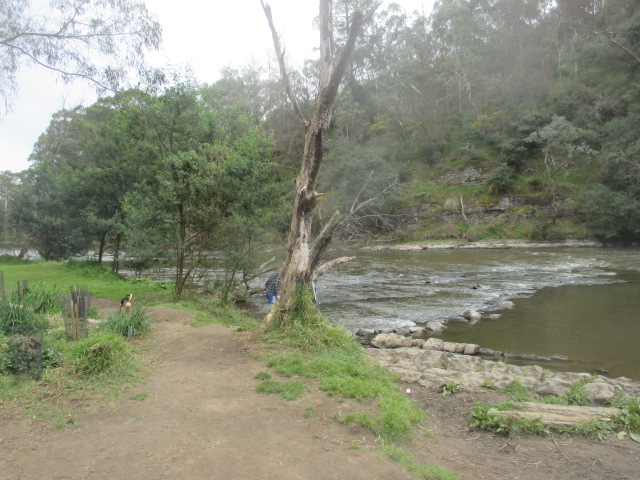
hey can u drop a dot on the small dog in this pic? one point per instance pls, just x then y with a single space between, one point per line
125 303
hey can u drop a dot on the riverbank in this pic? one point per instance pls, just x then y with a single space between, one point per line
198 416
485 244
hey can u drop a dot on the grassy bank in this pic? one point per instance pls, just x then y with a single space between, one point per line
302 349
311 349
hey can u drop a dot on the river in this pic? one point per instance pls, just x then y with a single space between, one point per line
581 303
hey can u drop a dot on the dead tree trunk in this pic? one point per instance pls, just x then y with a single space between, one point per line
303 251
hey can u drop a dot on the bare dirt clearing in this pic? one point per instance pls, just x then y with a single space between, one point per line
198 417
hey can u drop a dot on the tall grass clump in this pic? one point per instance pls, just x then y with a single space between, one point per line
96 354
16 319
128 324
427 472
42 297
303 326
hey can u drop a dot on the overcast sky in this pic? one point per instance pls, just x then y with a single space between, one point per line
206 35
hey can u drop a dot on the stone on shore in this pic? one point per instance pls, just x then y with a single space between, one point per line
435 327
472 316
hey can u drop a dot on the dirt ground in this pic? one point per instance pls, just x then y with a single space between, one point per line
202 419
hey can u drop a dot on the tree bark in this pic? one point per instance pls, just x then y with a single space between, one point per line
303 251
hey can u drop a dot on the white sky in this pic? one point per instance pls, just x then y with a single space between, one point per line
207 35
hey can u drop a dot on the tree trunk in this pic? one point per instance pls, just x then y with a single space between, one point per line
303 251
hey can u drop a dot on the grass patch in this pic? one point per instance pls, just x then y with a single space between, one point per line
287 390
128 324
427 472
99 280
212 312
331 356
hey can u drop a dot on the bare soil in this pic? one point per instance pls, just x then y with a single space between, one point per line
201 418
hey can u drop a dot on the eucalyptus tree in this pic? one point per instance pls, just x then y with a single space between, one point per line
206 152
303 250
95 40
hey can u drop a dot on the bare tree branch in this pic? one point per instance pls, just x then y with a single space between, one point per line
283 68
325 267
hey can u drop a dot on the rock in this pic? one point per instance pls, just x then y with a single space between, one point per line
449 347
487 352
416 330
506 304
601 393
433 344
494 316
553 386
418 342
435 327
472 316
391 340
471 349
460 347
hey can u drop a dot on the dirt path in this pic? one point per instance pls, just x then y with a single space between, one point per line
202 419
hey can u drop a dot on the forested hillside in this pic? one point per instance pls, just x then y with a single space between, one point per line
488 118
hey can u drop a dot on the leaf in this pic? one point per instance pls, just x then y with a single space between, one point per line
621 435
635 437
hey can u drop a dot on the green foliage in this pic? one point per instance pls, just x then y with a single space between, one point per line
96 354
128 324
347 373
628 420
501 179
450 388
427 472
16 319
21 356
489 418
518 392
42 297
92 269
287 390
302 326
576 395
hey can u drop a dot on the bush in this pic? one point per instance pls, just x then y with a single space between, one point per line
96 354
501 179
23 355
20 320
128 324
42 297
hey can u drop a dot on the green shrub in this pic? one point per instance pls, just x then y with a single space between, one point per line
20 320
23 356
128 324
501 179
42 297
576 395
96 354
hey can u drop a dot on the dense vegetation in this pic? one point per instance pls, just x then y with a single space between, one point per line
488 118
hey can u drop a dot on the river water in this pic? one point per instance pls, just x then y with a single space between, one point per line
583 303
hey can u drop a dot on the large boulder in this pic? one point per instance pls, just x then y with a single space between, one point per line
599 392
435 327
472 316
391 340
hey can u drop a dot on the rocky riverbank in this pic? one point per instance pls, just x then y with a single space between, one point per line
433 367
486 244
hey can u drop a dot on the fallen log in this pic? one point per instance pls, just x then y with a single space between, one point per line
558 415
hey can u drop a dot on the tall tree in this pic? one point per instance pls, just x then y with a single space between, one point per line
96 40
303 250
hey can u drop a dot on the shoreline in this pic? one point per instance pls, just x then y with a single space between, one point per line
487 244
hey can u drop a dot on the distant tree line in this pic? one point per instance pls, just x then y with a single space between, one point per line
543 96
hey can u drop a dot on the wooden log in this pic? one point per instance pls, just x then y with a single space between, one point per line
558 415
